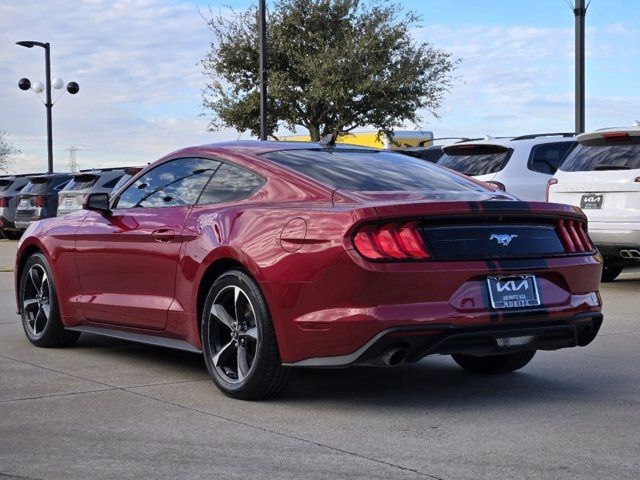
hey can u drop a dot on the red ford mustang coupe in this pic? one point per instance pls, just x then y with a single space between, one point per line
264 256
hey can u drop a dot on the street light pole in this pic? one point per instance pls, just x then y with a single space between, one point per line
25 84
580 12
49 106
262 34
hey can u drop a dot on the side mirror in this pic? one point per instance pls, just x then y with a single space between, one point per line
97 202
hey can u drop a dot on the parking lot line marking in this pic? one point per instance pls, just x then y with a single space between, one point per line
54 395
603 357
617 333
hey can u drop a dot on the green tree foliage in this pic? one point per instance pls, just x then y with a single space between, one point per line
6 150
334 66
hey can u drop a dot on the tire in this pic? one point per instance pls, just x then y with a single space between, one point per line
239 341
12 234
505 363
611 270
37 296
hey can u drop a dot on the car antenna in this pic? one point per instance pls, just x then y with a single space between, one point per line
328 140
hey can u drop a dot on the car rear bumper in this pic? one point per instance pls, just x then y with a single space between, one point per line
410 344
349 304
612 234
23 224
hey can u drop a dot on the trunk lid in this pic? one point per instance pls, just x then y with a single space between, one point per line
602 176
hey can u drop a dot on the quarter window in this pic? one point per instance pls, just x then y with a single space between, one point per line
547 157
175 183
228 184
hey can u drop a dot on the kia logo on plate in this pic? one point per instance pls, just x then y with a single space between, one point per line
512 286
502 239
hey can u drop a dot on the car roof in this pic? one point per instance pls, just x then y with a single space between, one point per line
524 140
259 147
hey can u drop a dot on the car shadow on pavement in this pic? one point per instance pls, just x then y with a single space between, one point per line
139 353
436 384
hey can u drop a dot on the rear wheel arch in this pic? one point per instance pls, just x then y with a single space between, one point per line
210 275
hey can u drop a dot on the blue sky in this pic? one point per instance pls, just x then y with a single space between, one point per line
137 65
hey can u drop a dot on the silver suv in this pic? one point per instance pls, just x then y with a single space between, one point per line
39 198
87 181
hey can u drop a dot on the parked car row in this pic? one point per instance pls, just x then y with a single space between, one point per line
27 198
598 172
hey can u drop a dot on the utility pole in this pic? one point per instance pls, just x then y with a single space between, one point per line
262 34
580 12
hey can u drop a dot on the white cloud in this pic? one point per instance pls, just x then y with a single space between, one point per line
136 63
517 80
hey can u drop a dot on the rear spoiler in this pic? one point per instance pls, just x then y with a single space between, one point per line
502 208
607 137
40 179
475 149
84 176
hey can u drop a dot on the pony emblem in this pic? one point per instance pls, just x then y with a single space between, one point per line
502 238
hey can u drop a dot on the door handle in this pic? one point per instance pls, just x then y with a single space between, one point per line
163 235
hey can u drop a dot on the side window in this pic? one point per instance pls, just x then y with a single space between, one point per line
174 183
230 183
548 157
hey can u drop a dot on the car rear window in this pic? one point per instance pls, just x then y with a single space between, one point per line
475 160
81 182
587 158
37 185
369 170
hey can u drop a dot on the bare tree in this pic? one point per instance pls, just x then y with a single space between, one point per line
6 151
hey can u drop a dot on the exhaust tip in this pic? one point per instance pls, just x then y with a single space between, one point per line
394 356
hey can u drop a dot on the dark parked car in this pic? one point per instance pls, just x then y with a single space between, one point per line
10 187
266 256
102 180
430 154
39 198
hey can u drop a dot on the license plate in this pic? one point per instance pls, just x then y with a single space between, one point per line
68 202
519 291
24 203
591 201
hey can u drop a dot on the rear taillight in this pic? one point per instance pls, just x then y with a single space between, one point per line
40 201
4 201
573 236
637 180
391 241
552 181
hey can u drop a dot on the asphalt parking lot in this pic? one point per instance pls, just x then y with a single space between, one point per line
111 409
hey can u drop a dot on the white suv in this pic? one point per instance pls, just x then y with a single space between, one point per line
602 176
521 166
